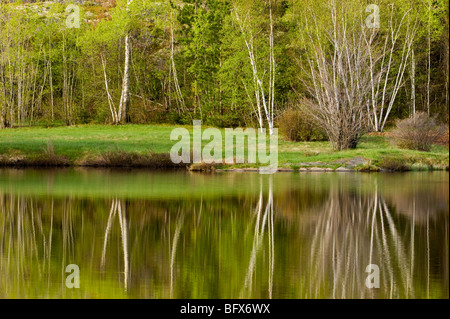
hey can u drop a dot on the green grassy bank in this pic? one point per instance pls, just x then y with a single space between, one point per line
149 146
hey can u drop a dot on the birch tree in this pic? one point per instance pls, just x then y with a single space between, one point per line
339 80
386 70
104 38
173 68
265 102
124 104
413 85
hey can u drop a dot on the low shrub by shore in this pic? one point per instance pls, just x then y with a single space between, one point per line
129 159
114 159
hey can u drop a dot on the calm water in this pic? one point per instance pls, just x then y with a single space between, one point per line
139 234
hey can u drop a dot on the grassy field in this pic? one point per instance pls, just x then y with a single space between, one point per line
81 145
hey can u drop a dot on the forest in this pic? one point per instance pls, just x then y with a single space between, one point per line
347 67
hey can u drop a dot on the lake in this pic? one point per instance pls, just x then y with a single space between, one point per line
142 234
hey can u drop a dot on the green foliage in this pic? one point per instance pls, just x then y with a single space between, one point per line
52 74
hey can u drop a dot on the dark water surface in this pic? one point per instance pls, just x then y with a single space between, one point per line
140 234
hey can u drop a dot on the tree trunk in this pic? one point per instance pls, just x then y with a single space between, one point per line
413 85
124 105
429 59
125 98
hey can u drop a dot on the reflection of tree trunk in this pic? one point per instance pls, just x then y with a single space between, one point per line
119 208
34 242
176 236
112 213
413 223
428 253
400 251
258 239
67 238
271 244
124 232
49 250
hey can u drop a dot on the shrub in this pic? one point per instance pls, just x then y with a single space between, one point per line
296 126
395 164
120 158
418 133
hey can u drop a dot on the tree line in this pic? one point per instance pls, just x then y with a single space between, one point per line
350 66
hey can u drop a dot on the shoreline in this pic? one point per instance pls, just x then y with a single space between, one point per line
214 168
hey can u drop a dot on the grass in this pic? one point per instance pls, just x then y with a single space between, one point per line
146 145
373 148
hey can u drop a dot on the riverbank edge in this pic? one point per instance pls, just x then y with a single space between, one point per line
162 161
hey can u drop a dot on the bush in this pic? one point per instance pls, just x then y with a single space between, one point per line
395 164
418 133
123 159
296 126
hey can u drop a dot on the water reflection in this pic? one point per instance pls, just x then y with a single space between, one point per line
290 236
351 233
118 208
260 229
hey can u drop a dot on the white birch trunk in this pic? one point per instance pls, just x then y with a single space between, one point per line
413 85
112 108
267 105
125 96
429 58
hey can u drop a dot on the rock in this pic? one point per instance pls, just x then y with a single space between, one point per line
353 162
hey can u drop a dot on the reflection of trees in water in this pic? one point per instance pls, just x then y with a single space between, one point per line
173 250
39 238
347 232
118 207
352 232
269 244
26 244
262 219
